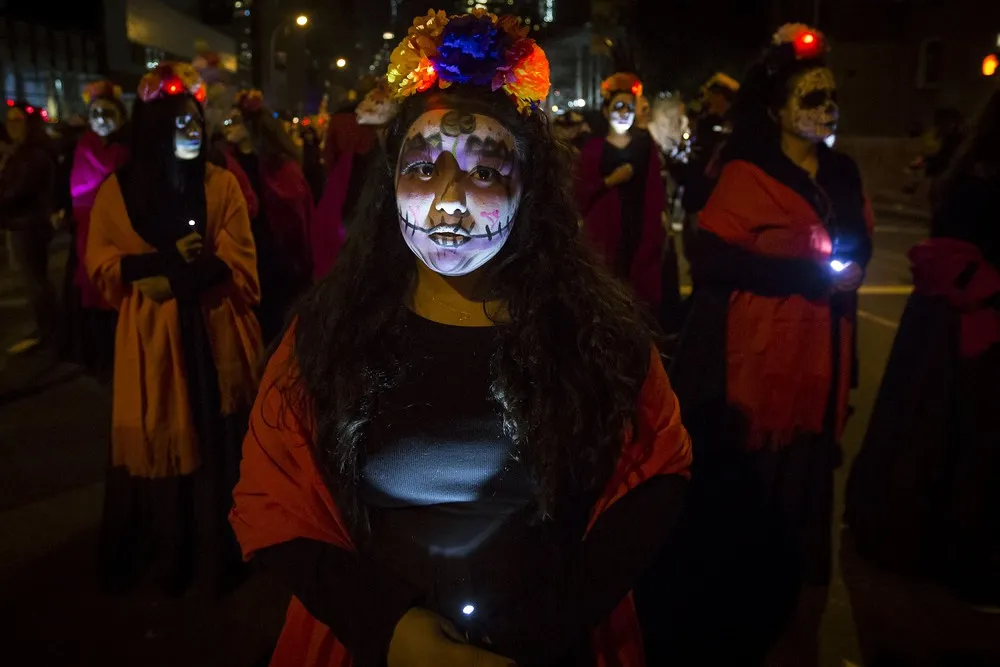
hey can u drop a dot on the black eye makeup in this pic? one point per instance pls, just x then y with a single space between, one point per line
817 99
623 106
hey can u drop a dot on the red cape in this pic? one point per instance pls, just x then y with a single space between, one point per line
93 162
941 267
601 209
282 496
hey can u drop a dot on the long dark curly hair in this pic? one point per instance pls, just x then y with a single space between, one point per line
574 350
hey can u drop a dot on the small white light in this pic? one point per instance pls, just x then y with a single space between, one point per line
468 609
295 120
830 141
191 223
555 108
838 266
388 35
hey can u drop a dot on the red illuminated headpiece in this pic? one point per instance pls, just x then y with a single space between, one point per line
621 82
250 101
171 78
805 42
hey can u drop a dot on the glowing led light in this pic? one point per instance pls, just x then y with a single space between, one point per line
808 38
301 20
341 63
295 120
991 64
191 223
30 109
838 265
468 609
388 35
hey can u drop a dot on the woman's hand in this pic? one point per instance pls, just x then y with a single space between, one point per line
190 246
621 174
424 639
849 279
156 288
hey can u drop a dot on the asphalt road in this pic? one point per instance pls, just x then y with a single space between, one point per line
53 449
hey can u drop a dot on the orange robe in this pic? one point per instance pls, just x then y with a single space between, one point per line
153 432
282 496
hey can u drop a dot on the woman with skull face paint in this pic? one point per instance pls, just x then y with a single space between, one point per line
100 152
764 368
621 193
264 151
466 447
170 247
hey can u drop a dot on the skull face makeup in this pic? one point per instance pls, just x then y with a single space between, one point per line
104 117
811 111
458 187
189 127
621 112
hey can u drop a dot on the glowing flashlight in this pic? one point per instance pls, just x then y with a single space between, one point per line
838 265
468 609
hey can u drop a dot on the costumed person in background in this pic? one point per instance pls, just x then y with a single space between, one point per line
711 129
170 247
924 493
100 152
763 370
349 148
621 195
27 190
417 529
266 154
312 159
571 128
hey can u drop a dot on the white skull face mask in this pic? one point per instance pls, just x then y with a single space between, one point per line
811 111
188 130
621 112
458 187
104 117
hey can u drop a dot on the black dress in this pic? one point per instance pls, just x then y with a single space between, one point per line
923 497
173 532
631 194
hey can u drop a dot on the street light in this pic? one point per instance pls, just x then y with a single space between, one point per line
388 35
302 20
341 63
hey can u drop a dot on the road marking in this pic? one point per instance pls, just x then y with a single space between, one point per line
866 290
865 315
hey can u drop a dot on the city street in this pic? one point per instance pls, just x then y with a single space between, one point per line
54 425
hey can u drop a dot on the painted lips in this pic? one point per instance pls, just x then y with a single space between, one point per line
448 239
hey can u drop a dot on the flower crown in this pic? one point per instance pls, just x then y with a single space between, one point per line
250 101
171 78
479 49
101 90
621 82
806 43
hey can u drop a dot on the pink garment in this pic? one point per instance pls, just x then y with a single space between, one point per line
601 209
93 162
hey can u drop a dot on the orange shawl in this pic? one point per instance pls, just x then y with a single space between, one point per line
153 433
281 496
779 352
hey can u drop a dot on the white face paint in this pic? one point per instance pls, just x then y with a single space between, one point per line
189 128
621 112
104 117
811 111
458 187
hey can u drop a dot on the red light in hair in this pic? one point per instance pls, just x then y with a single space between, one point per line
45 114
637 88
200 94
30 109
808 45
991 64
306 121
10 103
173 88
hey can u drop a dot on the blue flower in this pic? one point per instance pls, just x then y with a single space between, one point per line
472 49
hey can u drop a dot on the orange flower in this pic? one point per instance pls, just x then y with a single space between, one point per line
532 83
512 26
410 70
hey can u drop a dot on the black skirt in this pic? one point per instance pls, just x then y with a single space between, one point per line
923 497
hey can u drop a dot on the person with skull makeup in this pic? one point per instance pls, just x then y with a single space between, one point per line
765 364
100 151
621 194
170 248
466 448
265 153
